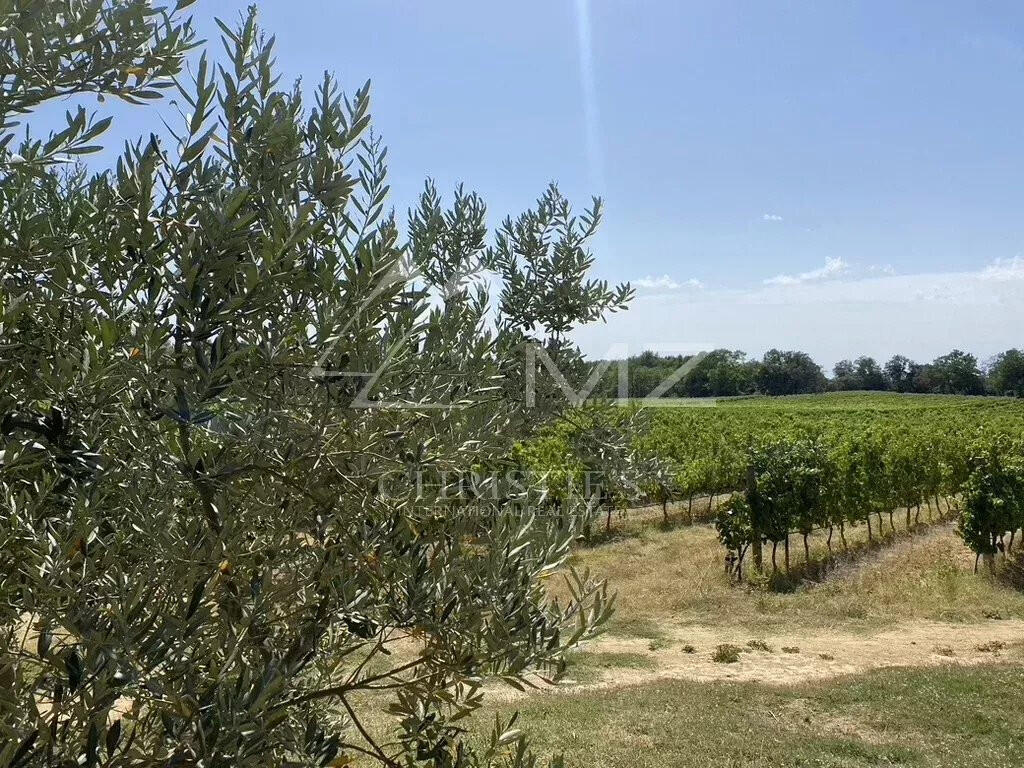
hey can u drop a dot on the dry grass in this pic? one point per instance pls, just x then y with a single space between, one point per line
678 514
839 624
677 577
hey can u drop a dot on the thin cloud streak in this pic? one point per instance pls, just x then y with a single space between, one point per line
833 268
665 283
591 115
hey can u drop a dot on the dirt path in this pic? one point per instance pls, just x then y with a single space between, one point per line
810 655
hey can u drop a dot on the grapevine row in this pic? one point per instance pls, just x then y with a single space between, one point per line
799 468
798 485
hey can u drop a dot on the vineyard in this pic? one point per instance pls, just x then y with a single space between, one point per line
295 465
798 465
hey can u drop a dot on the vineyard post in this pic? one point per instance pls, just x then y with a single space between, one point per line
755 526
989 557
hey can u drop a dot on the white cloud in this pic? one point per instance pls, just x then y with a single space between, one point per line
921 315
665 283
1005 269
771 217
834 267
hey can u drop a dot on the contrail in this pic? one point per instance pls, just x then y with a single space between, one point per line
595 157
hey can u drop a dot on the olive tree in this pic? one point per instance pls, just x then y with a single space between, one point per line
233 396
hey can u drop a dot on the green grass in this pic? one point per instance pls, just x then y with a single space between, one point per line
588 667
939 717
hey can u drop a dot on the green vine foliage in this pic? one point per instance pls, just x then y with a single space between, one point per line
993 496
814 468
801 485
843 466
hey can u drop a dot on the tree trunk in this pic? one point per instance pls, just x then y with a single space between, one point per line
664 510
908 517
977 556
755 533
1013 534
608 521
917 514
892 525
807 551
870 538
842 535
711 500
828 541
787 553
689 511
775 565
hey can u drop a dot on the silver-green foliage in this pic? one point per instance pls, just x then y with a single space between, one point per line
209 554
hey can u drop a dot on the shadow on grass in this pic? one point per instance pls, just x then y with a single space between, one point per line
841 554
1011 572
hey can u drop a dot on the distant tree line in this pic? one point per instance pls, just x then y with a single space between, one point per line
726 373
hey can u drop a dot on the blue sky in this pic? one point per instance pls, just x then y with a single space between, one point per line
842 177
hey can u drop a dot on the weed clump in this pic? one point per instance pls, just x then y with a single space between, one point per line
995 646
726 654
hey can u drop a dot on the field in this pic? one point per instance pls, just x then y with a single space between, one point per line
950 716
707 446
902 657
892 652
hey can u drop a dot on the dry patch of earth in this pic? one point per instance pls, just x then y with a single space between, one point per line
783 659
